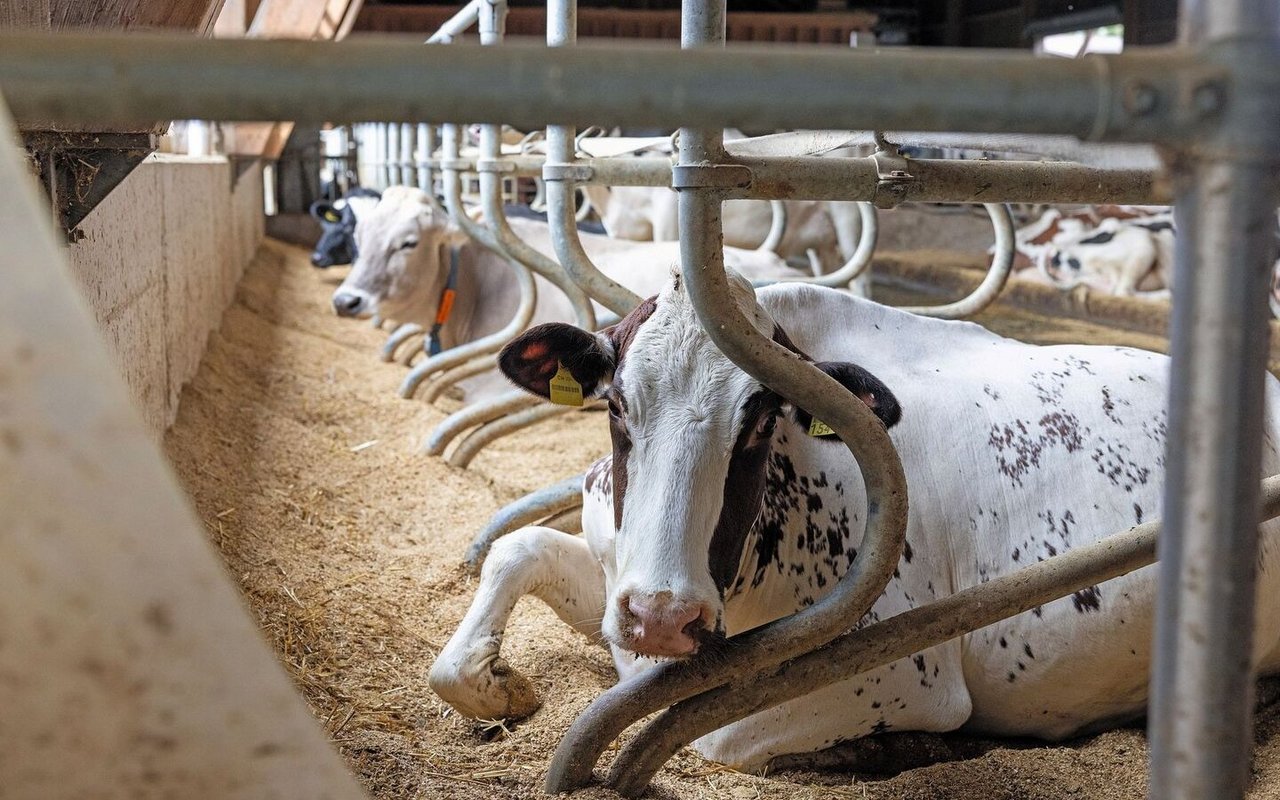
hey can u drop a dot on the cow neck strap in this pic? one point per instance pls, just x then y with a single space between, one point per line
446 302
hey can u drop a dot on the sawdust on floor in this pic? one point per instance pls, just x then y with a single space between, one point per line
303 464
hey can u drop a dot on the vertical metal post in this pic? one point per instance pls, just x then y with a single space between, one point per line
408 141
702 23
1202 681
562 31
426 151
391 162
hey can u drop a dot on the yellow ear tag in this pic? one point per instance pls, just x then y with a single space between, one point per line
564 389
819 428
332 217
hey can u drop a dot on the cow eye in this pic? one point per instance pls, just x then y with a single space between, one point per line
615 408
409 244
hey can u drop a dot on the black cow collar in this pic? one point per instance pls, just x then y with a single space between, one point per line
446 302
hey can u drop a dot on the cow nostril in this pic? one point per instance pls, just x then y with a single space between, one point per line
694 627
347 304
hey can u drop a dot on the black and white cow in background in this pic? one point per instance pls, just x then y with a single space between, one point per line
717 513
337 244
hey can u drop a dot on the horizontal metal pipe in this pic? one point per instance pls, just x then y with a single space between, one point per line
116 79
456 375
569 521
894 638
475 414
482 437
948 181
398 337
546 502
929 180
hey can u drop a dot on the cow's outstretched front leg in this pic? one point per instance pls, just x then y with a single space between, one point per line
555 567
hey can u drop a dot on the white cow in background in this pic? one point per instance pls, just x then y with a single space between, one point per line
644 213
406 246
717 512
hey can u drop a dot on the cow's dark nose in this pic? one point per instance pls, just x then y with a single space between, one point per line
347 304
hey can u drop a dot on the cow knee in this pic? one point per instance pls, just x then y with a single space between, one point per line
514 555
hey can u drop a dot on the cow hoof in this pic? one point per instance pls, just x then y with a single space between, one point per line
486 687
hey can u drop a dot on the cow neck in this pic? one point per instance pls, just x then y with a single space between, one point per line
444 308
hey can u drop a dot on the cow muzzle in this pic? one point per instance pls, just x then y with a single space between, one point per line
348 303
660 624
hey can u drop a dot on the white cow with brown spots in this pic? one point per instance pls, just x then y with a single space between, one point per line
717 513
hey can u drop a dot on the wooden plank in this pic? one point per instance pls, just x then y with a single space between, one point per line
24 13
189 15
233 21
288 19
258 139
56 15
298 19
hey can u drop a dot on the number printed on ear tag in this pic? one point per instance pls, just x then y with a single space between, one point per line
819 428
564 389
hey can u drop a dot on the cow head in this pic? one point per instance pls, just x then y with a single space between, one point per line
691 436
403 257
1062 268
337 218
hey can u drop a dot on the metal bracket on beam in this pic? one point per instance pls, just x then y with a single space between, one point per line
710 176
894 178
578 173
79 170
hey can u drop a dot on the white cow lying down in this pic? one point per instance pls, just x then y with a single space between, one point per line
717 513
405 249
648 213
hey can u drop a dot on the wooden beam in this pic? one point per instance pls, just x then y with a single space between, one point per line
288 19
25 14
298 19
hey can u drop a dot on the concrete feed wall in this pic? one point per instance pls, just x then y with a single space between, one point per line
159 263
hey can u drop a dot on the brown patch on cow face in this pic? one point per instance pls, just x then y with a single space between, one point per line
621 439
743 488
624 332
622 335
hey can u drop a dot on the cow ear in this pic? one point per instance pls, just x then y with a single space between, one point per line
863 385
532 359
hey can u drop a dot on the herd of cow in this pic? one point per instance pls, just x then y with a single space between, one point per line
721 507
